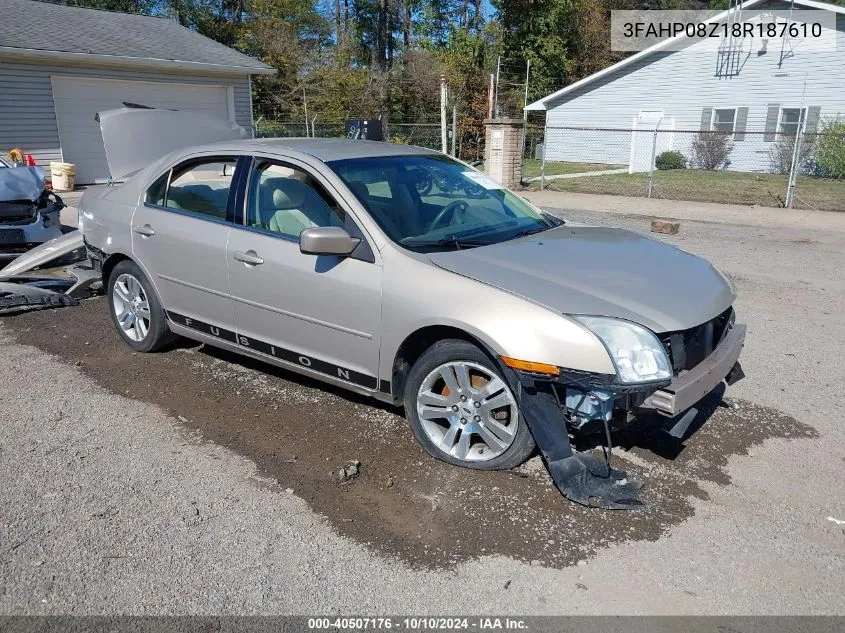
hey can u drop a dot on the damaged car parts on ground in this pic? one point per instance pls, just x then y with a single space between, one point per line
31 236
52 275
29 214
499 328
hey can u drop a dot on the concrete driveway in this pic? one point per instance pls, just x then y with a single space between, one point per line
195 482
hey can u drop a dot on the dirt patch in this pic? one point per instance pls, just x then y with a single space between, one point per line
403 503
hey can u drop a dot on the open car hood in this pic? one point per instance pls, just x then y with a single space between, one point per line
602 272
134 137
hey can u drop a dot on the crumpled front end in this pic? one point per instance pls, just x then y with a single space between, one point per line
574 402
29 215
25 225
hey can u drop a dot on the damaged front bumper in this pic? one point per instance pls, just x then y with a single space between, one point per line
26 222
689 387
53 274
16 238
554 407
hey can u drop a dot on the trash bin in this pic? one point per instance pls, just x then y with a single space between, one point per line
62 176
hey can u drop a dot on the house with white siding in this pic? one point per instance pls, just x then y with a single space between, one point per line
759 91
60 65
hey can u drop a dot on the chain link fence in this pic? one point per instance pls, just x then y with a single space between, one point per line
420 134
752 168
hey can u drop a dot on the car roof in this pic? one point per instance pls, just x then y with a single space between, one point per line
324 149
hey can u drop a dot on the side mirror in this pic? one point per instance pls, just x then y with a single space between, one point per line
327 240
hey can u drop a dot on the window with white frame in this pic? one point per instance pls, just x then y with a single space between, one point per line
724 120
791 120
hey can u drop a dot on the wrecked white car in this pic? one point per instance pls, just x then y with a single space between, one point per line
29 214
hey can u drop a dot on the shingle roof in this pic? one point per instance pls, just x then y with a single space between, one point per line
43 28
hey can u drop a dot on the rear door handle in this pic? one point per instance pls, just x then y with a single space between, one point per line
146 230
248 257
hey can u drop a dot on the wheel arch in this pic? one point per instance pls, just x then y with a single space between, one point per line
421 339
110 262
113 259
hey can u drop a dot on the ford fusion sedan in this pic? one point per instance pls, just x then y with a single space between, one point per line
406 275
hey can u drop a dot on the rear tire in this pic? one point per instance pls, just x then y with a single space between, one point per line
136 310
462 411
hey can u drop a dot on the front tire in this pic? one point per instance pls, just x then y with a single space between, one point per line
135 309
462 411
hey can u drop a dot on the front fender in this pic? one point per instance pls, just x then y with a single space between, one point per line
509 325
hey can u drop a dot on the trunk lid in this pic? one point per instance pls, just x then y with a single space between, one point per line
136 136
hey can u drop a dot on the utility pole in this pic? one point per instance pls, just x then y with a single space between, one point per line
525 104
496 96
454 128
525 112
305 107
443 127
490 99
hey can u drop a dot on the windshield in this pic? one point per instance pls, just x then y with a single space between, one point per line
430 202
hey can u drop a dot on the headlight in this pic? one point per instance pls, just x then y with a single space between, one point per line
635 351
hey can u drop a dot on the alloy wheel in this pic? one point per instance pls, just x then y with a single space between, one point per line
131 308
467 411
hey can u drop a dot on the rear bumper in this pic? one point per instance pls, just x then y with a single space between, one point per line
691 386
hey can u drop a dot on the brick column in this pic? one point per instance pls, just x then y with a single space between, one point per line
503 150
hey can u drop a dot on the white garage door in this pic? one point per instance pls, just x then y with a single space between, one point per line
77 100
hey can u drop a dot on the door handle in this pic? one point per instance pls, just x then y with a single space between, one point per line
146 230
249 257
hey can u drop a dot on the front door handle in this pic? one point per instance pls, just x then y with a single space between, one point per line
146 230
248 257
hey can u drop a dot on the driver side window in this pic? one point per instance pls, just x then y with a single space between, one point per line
286 200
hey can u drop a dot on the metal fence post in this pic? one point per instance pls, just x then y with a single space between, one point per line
794 165
543 158
653 152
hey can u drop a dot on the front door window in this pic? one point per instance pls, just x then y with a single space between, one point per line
286 201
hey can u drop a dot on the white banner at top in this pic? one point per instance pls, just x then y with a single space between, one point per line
809 30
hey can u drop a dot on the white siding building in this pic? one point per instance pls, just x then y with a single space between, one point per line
60 65
759 96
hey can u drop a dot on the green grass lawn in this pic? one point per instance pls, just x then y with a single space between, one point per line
712 186
531 167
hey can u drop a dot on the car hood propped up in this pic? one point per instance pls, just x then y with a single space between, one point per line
600 271
136 136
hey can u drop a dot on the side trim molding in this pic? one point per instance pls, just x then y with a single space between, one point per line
286 355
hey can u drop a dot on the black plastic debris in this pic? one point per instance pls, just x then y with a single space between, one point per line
589 481
15 297
579 476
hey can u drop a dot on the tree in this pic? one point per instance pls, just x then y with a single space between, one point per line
564 39
127 6
291 36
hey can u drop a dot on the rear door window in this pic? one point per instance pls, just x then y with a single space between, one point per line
156 193
202 187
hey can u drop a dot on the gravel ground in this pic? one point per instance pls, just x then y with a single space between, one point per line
195 482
